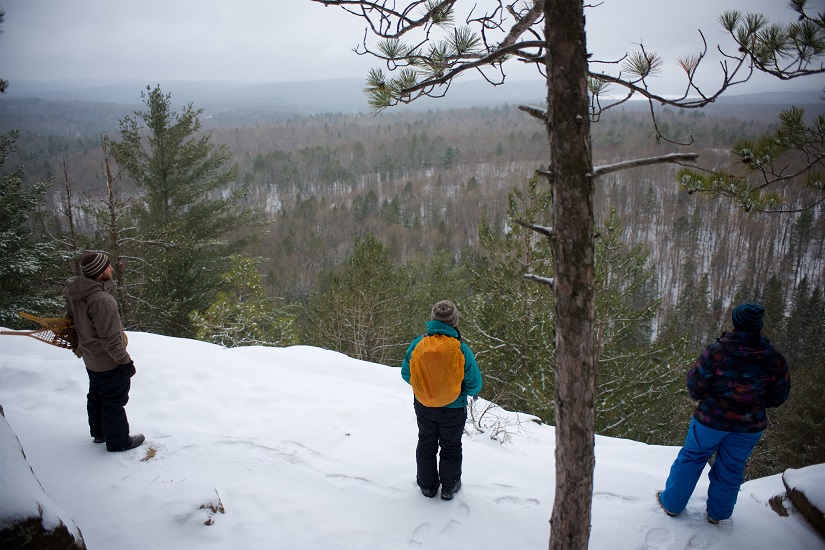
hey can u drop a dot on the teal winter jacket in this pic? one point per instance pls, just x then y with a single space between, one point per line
472 376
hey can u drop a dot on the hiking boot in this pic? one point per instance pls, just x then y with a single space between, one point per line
132 442
135 441
448 494
100 439
668 512
713 521
429 492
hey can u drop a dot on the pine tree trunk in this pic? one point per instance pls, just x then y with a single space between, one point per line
571 166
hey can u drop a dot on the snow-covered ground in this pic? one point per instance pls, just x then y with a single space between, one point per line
303 448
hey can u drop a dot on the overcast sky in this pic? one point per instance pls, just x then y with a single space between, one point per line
258 41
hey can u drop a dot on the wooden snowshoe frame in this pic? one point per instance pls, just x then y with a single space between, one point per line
58 332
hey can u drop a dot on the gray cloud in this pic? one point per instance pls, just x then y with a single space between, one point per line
260 41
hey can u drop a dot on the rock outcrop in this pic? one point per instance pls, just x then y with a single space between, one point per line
29 519
809 505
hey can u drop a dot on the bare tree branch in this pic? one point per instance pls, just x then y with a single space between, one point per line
672 158
546 231
549 281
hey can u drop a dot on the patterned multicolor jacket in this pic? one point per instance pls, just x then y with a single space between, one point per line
735 379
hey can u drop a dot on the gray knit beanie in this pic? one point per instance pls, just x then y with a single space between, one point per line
93 264
748 317
446 312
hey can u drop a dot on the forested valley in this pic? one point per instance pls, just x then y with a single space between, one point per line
340 230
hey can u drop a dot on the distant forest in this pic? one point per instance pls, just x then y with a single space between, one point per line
423 181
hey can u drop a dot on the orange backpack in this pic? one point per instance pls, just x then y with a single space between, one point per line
437 370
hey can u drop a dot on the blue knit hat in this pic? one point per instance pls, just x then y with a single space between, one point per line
748 317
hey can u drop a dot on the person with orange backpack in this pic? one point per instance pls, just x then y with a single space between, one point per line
442 372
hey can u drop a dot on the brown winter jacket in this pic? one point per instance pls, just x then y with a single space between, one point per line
98 325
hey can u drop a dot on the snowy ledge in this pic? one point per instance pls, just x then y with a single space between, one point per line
806 489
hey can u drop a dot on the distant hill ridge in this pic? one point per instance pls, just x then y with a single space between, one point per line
86 108
324 96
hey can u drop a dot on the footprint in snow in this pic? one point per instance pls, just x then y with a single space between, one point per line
344 478
419 534
657 539
697 543
462 511
517 501
613 497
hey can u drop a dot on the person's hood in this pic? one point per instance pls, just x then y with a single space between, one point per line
437 327
747 345
81 287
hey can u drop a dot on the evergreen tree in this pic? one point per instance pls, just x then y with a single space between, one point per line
814 342
625 290
25 260
509 319
798 324
691 318
241 314
363 308
773 300
435 277
189 216
636 380
801 236
794 438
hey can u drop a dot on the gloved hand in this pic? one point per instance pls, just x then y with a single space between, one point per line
128 368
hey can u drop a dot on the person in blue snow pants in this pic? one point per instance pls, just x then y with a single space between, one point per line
734 381
726 474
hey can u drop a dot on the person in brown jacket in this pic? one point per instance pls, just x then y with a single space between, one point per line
103 349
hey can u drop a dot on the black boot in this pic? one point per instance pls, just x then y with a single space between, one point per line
448 494
135 441
132 442
429 492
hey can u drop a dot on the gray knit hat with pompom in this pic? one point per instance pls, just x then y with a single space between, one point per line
446 312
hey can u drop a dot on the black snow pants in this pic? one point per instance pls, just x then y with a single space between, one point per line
105 402
439 427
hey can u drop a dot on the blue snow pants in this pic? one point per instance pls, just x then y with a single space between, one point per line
726 474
